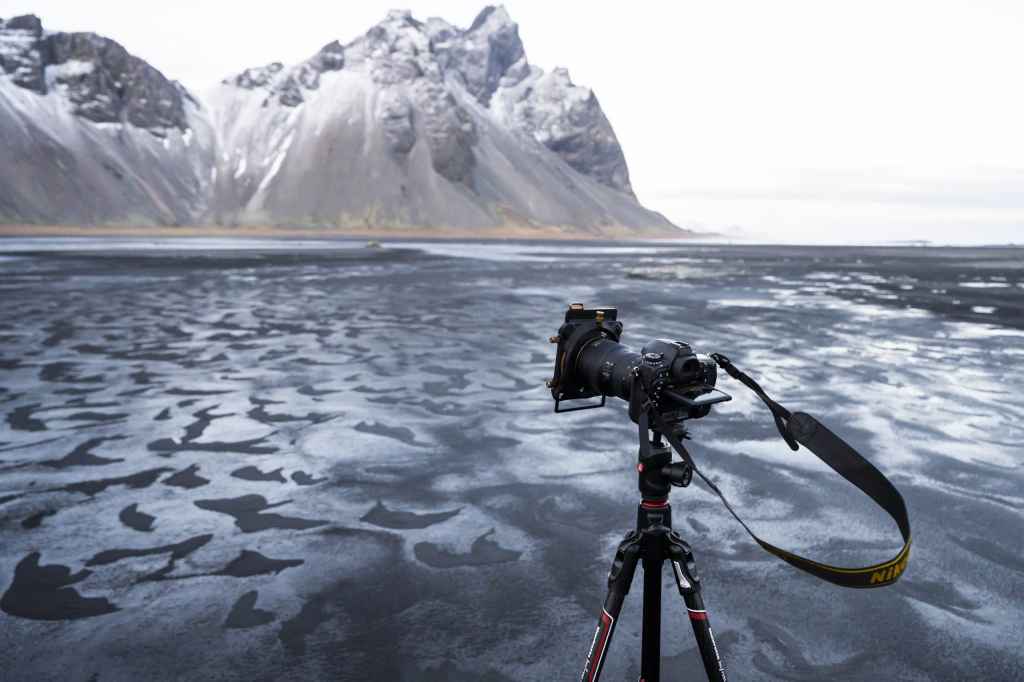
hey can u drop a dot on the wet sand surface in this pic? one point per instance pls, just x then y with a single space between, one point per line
252 462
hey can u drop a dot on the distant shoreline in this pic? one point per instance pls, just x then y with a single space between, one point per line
486 234
448 235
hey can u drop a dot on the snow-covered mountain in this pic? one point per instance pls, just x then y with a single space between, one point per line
91 134
414 124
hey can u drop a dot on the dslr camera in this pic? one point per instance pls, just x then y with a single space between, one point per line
665 375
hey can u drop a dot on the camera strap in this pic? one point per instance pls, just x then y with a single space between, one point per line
799 428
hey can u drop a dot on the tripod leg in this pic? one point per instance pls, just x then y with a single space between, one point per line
650 652
688 582
619 579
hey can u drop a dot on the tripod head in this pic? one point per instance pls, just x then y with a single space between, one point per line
657 473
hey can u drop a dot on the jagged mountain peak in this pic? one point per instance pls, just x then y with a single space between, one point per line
401 48
401 16
493 17
489 62
410 124
26 22
491 51
290 86
97 78
395 24
331 56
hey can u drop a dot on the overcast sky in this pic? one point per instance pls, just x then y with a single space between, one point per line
793 120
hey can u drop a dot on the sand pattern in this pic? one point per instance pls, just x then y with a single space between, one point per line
341 463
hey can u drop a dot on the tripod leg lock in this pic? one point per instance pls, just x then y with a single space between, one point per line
685 571
620 576
683 566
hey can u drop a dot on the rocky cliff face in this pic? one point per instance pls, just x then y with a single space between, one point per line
567 119
91 134
103 83
413 124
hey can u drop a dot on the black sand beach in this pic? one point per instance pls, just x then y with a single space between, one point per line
254 461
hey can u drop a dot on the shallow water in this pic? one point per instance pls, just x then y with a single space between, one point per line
254 460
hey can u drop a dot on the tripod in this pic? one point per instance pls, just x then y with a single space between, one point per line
654 542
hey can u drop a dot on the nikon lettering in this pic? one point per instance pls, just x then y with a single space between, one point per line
890 575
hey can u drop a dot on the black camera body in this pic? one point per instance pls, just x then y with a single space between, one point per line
591 362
